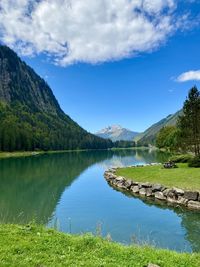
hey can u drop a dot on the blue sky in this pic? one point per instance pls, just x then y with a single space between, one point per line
134 90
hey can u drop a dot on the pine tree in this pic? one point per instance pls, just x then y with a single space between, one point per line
189 122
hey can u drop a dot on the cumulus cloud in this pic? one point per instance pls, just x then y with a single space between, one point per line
86 31
193 75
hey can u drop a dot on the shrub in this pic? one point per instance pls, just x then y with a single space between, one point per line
195 162
184 158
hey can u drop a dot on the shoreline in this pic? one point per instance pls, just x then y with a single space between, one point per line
19 154
174 196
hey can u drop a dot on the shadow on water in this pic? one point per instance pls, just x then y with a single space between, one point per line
31 187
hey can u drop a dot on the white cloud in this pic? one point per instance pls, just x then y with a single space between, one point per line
89 31
193 75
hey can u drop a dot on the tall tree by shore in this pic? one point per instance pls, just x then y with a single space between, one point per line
189 122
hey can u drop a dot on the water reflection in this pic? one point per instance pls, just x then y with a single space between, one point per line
31 187
49 187
190 220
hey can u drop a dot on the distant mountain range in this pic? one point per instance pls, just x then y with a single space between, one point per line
149 136
117 133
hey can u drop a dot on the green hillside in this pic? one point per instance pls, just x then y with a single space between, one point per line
30 116
149 136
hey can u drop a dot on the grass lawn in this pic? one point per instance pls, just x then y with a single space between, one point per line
18 154
37 246
182 177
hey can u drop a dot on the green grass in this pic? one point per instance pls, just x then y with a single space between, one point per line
182 177
38 246
19 154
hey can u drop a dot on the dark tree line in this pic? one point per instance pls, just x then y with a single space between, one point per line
21 129
124 144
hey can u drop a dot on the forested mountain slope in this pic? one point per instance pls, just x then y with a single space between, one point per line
30 116
149 136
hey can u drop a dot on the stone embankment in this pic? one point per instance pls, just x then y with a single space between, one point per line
175 196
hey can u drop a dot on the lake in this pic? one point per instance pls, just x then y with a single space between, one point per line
68 191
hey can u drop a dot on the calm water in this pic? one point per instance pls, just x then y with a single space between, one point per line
69 190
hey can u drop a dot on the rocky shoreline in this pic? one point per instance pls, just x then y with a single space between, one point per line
174 196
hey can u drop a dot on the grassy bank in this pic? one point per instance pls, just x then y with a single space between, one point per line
37 246
182 177
18 154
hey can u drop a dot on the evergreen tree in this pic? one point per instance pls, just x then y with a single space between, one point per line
168 138
189 122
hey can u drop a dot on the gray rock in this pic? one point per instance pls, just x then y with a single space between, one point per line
191 195
142 192
160 195
120 178
194 205
135 189
135 183
152 265
178 191
171 200
157 187
166 192
181 200
149 192
121 185
146 185
171 194
128 184
111 177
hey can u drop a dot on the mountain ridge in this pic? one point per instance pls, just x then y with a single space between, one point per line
117 133
149 135
30 115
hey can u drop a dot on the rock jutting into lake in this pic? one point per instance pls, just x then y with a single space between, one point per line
174 196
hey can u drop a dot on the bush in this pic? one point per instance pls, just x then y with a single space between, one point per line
184 158
195 162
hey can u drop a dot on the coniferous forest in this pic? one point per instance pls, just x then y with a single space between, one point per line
30 116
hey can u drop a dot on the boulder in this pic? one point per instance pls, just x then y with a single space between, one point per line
194 205
171 200
157 187
135 189
166 192
145 185
110 176
178 191
142 192
120 179
171 194
135 183
149 192
191 195
128 184
121 185
160 195
152 265
182 201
